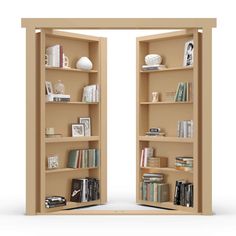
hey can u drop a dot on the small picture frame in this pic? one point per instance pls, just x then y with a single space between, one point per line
86 121
49 89
188 53
77 130
53 162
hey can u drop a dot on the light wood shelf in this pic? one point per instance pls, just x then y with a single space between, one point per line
72 139
165 139
168 205
70 69
71 205
74 103
168 69
69 170
164 103
169 169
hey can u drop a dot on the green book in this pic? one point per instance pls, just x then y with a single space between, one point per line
73 159
163 192
97 157
180 92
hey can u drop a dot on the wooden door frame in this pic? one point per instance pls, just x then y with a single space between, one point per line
32 24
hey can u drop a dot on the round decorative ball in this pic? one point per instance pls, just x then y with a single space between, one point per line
153 59
84 64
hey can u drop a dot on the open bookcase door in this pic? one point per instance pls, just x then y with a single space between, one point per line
165 114
61 115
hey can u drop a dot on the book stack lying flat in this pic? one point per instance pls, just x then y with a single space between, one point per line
153 189
153 177
55 201
155 132
153 67
184 163
145 154
183 193
157 162
84 190
57 98
185 129
184 92
55 55
83 158
91 93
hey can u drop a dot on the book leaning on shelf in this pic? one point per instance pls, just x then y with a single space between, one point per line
91 93
83 158
184 92
145 154
55 56
84 190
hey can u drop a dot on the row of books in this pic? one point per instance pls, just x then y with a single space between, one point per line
185 129
55 56
84 190
184 92
145 154
83 158
153 189
91 93
184 163
183 193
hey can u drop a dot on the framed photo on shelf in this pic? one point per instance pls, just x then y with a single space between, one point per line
49 88
188 53
86 121
53 162
77 130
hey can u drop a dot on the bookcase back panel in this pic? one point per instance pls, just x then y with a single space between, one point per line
171 50
73 82
72 48
167 82
62 116
62 150
166 117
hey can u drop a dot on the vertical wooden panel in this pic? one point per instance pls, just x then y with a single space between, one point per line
103 119
31 133
206 122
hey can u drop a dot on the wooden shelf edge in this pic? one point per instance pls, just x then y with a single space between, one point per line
168 69
165 139
74 103
70 69
72 139
71 205
69 170
167 169
163 103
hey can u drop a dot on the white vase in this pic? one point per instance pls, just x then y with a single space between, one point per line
84 64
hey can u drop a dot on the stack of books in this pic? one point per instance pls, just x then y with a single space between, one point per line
91 93
157 162
184 92
185 129
83 158
153 189
183 193
57 98
55 56
184 163
55 201
145 154
155 132
84 190
153 67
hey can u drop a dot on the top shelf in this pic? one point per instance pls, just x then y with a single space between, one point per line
71 69
168 69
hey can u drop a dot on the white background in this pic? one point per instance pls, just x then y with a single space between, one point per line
121 119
